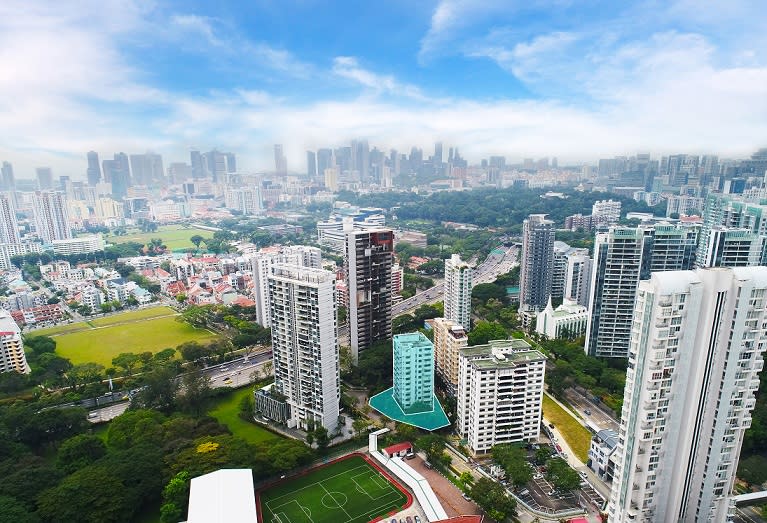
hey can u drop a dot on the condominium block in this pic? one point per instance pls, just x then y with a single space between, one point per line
578 277
605 213
500 393
413 372
12 357
731 247
449 338
536 262
695 354
246 200
458 281
368 256
726 210
622 257
9 227
305 344
51 217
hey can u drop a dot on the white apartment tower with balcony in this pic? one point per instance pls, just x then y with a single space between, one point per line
449 338
695 354
9 227
51 217
500 393
12 357
305 344
458 278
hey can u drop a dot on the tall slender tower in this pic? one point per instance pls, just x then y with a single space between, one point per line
694 360
44 178
305 344
458 291
51 216
93 174
9 228
368 256
537 260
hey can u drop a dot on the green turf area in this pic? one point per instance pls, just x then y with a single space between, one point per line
227 411
576 435
347 491
134 331
172 236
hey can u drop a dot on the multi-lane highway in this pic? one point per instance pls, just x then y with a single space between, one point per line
499 261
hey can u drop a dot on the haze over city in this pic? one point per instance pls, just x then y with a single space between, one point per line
547 78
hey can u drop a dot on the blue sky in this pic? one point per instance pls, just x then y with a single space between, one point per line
573 79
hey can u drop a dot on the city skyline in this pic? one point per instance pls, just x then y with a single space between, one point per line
557 79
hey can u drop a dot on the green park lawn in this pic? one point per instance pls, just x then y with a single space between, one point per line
139 331
576 435
347 491
227 412
173 236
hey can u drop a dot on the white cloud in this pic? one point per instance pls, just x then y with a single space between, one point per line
348 67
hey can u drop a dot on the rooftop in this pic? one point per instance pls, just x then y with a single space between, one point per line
388 406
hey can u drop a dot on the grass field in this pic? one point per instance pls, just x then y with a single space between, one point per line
173 236
227 412
576 435
347 491
100 340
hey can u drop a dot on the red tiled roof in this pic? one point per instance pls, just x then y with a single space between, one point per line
399 447
462 519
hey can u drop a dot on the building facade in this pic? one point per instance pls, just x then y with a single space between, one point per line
458 282
449 338
51 217
622 257
9 227
305 344
695 355
568 320
12 357
500 393
536 262
413 372
368 257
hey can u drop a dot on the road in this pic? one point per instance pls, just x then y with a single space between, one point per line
581 404
495 264
747 515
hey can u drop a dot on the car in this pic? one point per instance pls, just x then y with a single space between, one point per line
427 465
393 520
551 425
587 412
583 474
409 519
409 455
93 414
417 519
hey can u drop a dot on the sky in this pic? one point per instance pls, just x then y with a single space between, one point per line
574 79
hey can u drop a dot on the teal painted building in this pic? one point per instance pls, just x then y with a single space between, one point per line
414 372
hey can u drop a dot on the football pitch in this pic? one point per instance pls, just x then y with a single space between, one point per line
350 490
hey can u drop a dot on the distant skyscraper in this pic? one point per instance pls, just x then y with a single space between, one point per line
280 162
438 154
311 165
8 180
147 169
12 357
51 216
117 174
198 166
44 178
231 162
215 163
9 228
368 256
537 259
458 278
305 344
623 257
93 173
331 179
695 354
324 161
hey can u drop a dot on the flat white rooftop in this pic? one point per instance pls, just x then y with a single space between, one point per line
224 496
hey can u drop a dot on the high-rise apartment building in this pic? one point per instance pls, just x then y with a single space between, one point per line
578 277
9 227
7 180
331 178
305 344
605 213
458 282
449 338
726 210
215 164
93 173
12 357
199 169
500 393
368 256
622 257
731 247
695 354
413 373
51 216
536 265
44 178
246 200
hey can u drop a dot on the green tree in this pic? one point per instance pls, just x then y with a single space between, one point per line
193 351
753 469
485 331
159 391
196 240
559 473
14 511
126 361
195 392
513 460
493 499
78 452
175 497
90 495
